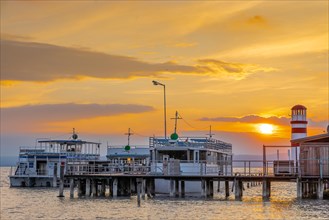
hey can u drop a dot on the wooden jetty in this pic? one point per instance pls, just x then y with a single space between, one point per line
310 173
141 184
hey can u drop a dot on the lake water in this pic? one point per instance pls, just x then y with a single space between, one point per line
43 203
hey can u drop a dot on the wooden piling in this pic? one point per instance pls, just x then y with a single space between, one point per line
227 189
211 188
139 189
61 180
103 188
115 187
88 187
176 188
238 190
55 176
148 188
79 183
266 189
203 188
94 187
172 188
133 186
143 188
71 188
208 188
299 188
182 188
110 188
320 189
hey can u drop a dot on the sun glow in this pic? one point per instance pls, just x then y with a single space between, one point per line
266 128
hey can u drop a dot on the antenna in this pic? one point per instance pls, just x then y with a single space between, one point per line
129 133
176 118
210 134
74 135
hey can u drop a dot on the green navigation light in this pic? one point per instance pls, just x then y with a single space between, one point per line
127 148
174 136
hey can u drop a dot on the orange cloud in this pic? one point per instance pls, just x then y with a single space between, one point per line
28 61
257 19
283 121
234 70
25 118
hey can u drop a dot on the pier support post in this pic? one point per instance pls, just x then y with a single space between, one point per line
139 189
88 187
218 186
79 183
320 189
94 187
128 184
299 188
72 188
110 188
203 188
133 186
182 188
227 189
103 188
61 180
143 188
150 187
311 188
115 187
176 188
211 188
172 188
266 189
304 190
207 188
153 187
238 190
55 176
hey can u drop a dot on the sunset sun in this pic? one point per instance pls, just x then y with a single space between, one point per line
266 128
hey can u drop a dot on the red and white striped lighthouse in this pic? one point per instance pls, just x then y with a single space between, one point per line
298 123
298 128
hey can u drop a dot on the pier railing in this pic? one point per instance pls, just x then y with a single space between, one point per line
310 167
110 168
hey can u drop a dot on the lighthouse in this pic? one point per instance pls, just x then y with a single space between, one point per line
298 129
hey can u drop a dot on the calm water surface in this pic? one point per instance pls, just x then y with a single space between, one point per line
42 203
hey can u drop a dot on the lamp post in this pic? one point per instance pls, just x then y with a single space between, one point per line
156 83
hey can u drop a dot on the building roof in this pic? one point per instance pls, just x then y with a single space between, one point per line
315 138
68 142
298 107
133 152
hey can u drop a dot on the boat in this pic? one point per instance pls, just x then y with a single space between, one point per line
39 166
188 156
128 158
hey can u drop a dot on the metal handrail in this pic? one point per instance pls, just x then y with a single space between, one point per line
248 169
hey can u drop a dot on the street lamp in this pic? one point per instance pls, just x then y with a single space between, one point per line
156 83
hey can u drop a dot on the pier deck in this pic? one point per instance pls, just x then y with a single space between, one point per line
121 184
94 180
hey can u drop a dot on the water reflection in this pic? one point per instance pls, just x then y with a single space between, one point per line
42 203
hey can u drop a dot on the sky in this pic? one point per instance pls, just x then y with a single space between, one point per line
231 65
